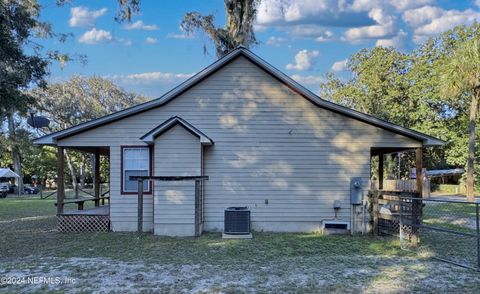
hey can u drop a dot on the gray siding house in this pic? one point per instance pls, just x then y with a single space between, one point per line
263 140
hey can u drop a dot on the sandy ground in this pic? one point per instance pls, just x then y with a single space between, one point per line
357 274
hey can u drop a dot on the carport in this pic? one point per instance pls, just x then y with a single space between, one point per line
8 173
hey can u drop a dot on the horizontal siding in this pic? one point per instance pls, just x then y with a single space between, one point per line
270 144
177 152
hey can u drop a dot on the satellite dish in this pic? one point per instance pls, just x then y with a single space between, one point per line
38 122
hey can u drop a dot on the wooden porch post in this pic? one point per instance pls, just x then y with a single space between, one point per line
418 169
417 204
60 179
97 177
380 172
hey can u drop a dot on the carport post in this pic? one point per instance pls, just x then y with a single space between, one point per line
417 204
140 206
380 171
418 169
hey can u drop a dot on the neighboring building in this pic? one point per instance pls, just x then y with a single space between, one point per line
263 140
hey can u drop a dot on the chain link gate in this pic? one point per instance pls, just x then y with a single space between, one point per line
447 230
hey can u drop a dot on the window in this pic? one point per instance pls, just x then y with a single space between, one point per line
136 162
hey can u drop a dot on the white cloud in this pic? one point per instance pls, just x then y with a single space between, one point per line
151 78
339 66
275 41
383 29
369 32
151 40
360 20
304 60
305 30
327 36
396 42
83 17
95 36
421 16
354 20
179 36
307 80
319 12
399 5
403 5
139 25
99 36
429 21
125 42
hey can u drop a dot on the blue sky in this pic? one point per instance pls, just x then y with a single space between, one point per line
303 38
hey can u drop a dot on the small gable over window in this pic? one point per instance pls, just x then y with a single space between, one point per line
149 137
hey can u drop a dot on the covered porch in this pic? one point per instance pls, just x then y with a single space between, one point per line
87 217
389 204
417 182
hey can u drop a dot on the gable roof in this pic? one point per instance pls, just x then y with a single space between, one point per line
51 139
149 137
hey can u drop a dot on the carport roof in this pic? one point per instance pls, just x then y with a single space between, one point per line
8 173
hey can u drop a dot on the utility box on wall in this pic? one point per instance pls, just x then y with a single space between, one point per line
356 191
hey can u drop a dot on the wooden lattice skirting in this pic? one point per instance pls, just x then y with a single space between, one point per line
83 223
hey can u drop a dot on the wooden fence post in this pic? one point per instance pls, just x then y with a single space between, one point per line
140 206
419 169
375 212
197 208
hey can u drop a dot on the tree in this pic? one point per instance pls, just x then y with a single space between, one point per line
78 100
430 90
238 28
378 86
22 66
126 9
461 78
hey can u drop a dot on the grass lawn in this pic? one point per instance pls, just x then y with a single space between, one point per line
279 263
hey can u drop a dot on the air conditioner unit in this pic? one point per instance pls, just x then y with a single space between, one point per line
237 222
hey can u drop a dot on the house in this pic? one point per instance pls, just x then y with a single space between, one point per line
263 140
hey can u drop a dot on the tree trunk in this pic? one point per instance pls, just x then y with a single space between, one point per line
16 158
471 146
73 174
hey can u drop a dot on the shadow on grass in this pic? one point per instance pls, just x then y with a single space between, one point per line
38 238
